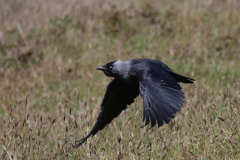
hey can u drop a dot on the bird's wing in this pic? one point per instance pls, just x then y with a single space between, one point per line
162 95
116 99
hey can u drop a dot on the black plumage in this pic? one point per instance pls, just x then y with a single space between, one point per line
153 80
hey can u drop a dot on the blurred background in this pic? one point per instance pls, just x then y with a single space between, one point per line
51 91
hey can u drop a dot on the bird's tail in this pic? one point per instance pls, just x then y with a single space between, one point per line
180 78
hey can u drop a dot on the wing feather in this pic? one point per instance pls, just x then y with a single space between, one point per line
161 93
116 99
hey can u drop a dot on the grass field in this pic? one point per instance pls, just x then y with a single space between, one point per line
51 91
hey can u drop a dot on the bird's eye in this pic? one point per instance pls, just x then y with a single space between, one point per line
110 67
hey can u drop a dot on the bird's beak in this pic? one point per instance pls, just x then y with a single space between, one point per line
103 68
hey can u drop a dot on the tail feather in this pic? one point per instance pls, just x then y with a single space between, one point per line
180 78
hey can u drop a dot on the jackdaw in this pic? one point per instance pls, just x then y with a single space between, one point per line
156 83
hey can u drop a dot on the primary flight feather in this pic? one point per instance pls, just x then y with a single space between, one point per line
152 79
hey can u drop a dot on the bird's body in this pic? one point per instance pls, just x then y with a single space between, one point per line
156 83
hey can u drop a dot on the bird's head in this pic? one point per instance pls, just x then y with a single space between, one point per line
109 69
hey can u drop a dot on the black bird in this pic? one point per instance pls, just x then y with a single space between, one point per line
156 83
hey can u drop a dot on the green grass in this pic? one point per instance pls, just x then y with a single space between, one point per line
51 91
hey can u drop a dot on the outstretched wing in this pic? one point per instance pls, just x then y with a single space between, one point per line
162 95
116 99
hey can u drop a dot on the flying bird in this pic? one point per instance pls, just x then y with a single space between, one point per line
155 81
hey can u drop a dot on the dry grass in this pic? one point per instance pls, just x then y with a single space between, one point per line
51 92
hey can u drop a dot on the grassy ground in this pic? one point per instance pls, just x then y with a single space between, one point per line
51 92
